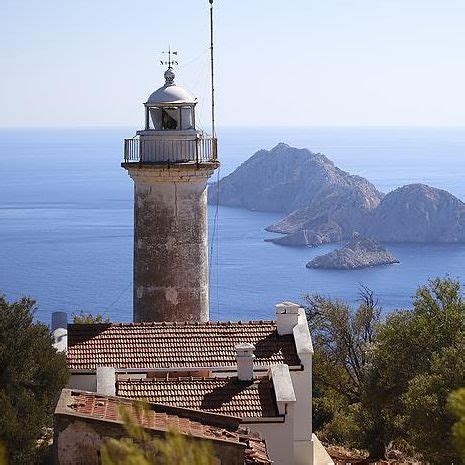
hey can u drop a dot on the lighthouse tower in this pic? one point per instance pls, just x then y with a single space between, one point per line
170 162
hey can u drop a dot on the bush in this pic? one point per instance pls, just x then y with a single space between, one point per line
88 318
139 448
343 341
31 377
418 361
456 405
378 383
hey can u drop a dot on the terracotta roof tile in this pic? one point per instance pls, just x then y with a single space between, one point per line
106 408
227 396
166 345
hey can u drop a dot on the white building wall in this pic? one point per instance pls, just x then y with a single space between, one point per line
302 382
303 446
278 438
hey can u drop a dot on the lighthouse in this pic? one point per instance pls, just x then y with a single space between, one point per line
170 162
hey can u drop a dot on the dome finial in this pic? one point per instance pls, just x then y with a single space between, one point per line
169 77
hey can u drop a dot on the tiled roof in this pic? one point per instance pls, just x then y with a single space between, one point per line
227 396
107 408
165 345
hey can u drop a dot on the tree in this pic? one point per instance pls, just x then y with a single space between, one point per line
413 368
343 341
31 376
456 405
426 419
2 455
378 383
140 448
88 318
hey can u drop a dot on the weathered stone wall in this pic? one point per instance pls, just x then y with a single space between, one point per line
77 441
170 243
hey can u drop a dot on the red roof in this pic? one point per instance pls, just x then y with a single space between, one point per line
107 408
169 345
227 396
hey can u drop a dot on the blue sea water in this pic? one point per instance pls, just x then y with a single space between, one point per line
66 220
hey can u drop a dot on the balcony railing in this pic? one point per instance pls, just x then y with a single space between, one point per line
198 150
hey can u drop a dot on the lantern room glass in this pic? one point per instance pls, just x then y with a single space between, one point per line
171 118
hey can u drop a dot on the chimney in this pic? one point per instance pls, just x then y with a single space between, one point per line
59 320
106 381
59 328
287 316
245 357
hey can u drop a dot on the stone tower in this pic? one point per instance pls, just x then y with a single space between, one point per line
170 162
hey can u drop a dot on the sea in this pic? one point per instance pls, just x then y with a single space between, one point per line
66 220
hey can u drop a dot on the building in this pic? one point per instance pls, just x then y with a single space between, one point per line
265 404
84 420
170 162
212 352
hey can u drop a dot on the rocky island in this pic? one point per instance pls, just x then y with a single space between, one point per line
418 213
324 204
360 252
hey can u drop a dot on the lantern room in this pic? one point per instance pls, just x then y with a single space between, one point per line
170 134
170 108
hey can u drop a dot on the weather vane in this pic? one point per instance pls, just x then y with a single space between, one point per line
170 62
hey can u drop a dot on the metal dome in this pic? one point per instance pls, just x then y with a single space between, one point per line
170 92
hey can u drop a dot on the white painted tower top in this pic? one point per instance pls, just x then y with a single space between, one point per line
170 92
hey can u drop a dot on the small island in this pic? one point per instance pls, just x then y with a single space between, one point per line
360 252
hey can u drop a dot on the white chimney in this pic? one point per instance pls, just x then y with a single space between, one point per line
59 328
106 381
287 316
245 357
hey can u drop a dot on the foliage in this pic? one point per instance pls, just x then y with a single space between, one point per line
88 318
343 341
427 421
414 368
456 405
2 454
31 376
382 382
140 448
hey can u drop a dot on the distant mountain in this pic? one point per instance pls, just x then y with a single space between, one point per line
360 252
324 204
321 199
419 213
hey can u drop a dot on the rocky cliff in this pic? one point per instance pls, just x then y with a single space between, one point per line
418 213
321 200
324 204
360 252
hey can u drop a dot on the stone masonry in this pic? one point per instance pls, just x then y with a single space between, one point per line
170 242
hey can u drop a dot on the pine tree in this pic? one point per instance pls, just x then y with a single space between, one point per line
31 376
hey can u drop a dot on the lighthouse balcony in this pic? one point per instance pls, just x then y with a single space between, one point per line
152 150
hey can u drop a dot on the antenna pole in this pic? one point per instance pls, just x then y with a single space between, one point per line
212 68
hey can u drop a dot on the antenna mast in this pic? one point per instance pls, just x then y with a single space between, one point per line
212 69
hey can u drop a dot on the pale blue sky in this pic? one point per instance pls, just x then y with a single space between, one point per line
295 62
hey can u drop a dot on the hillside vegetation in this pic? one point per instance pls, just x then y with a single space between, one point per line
381 384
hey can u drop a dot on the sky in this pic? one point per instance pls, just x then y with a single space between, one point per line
278 63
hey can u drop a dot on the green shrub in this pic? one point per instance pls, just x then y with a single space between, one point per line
31 377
